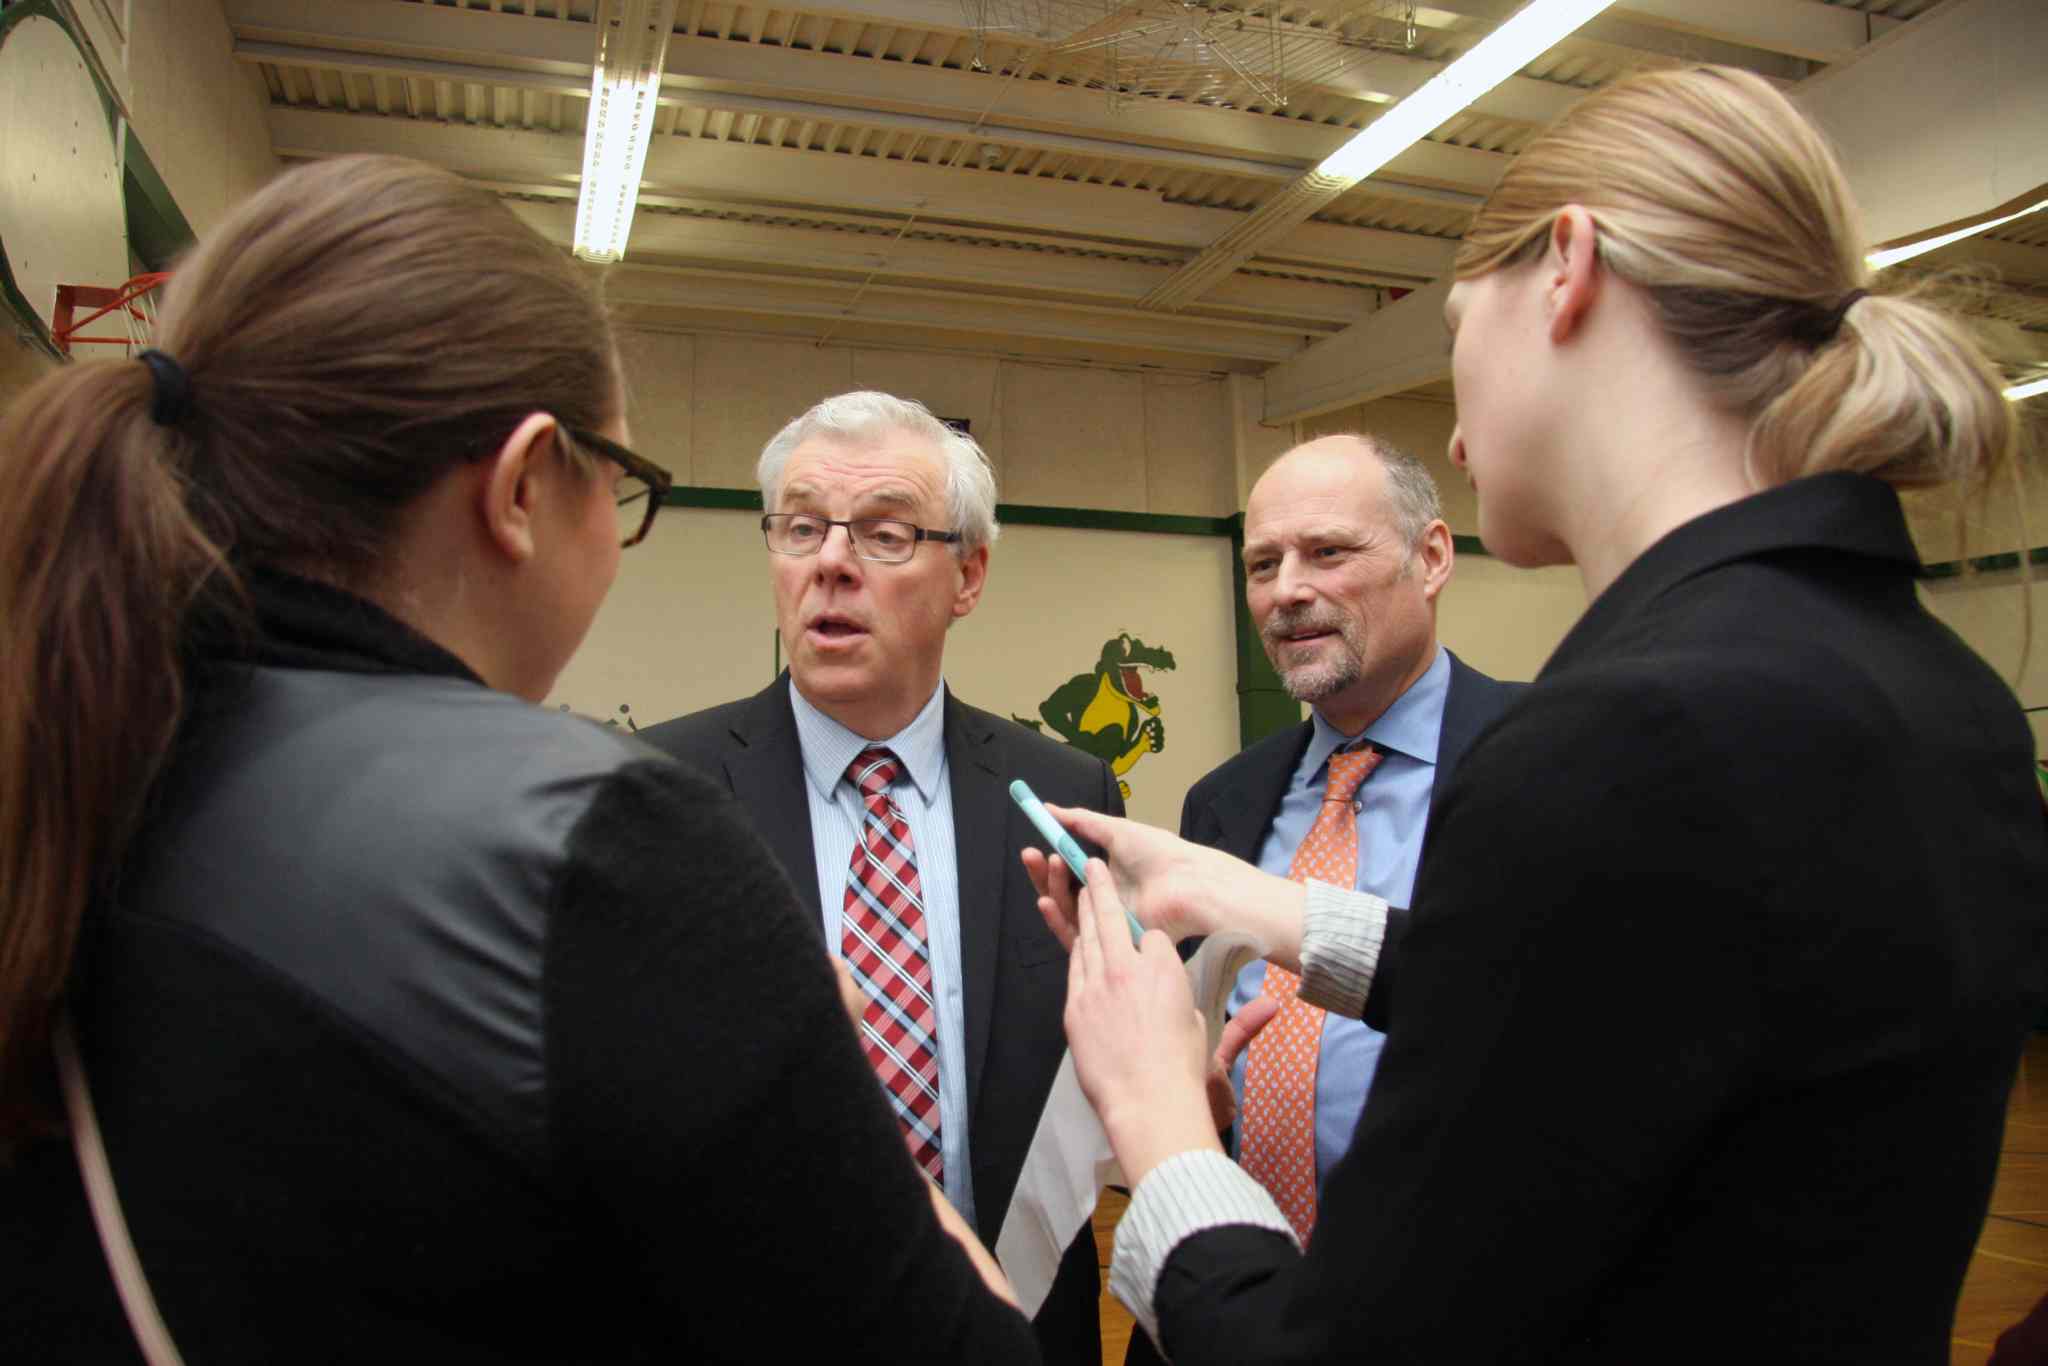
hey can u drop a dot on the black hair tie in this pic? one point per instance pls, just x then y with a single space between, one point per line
1820 328
172 390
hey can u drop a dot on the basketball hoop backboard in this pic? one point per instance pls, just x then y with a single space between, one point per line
132 304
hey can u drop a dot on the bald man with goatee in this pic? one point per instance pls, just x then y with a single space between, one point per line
1345 555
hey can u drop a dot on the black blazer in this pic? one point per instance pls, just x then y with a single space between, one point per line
1726 943
1016 972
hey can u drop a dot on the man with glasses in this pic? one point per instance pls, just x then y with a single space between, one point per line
886 799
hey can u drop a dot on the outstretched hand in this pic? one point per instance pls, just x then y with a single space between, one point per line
1171 885
1139 1044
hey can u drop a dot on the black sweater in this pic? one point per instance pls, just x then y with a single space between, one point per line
431 1025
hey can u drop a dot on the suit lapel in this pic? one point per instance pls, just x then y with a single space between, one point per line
1245 812
766 770
1471 700
980 811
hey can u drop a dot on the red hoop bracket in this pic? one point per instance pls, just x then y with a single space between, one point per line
65 327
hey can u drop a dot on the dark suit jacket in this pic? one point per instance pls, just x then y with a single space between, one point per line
1232 807
1726 942
1016 972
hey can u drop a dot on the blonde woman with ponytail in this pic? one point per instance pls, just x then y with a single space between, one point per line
1729 934
420 1023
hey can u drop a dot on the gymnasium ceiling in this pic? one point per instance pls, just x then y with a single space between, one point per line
949 173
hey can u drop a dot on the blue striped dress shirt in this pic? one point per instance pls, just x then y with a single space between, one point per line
924 794
1393 814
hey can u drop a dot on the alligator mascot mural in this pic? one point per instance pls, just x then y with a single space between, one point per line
1108 712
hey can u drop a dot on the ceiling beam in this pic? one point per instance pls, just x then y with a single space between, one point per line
1633 43
2010 263
1940 121
480 41
767 176
396 28
1806 29
1380 77
833 78
1399 347
680 94
1296 307
642 293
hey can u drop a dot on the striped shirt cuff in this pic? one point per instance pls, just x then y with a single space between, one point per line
1341 935
1182 1196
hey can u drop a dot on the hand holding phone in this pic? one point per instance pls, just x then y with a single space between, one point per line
1062 843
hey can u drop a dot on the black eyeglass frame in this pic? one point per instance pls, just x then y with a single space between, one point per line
917 534
657 479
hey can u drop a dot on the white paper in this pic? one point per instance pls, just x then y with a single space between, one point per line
1069 1161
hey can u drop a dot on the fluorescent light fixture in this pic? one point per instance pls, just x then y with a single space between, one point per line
2028 390
1497 56
1891 256
625 81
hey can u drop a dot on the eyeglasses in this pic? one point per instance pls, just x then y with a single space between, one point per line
883 539
642 487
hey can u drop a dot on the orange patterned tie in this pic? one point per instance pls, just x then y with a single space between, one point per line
1277 1131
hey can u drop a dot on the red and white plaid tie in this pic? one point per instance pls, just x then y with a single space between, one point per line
882 939
1277 1133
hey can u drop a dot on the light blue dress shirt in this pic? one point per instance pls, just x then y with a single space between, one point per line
924 794
1393 815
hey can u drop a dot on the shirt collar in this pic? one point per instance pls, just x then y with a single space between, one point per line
828 747
1410 726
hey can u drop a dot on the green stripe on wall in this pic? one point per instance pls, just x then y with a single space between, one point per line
1263 705
1949 569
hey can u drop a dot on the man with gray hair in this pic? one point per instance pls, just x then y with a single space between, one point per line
1345 552
886 800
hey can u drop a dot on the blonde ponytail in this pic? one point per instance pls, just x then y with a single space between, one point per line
1903 393
1718 198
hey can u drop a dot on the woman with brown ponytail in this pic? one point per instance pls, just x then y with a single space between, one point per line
421 1023
1728 934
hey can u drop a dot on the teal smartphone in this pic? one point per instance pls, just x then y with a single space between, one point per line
1062 843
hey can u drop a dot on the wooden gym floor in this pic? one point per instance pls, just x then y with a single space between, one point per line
2007 1276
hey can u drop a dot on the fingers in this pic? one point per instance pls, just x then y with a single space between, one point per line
1239 1029
1084 955
1106 909
1092 826
1055 894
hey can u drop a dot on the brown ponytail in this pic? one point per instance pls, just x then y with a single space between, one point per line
98 559
351 332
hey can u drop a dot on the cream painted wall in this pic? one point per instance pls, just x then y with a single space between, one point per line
1992 612
199 112
691 623
704 403
1055 596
